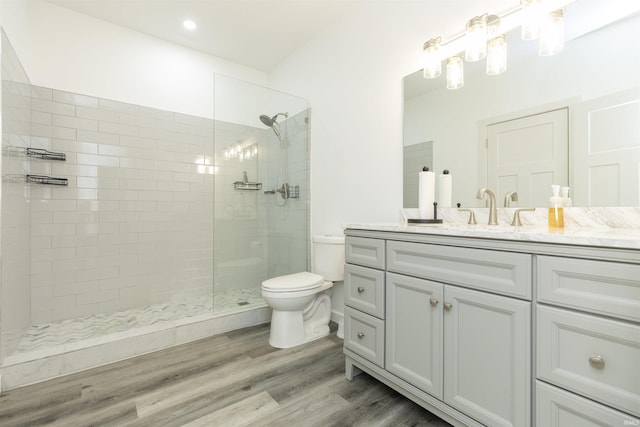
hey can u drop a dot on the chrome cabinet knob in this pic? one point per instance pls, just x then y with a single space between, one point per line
360 335
597 362
360 289
447 306
433 302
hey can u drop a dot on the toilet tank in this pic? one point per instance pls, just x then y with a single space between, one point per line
328 257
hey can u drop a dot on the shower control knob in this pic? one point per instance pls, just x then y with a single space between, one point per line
433 302
360 289
360 335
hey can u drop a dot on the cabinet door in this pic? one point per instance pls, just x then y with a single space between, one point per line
414 331
487 356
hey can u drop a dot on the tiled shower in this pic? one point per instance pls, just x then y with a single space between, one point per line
149 241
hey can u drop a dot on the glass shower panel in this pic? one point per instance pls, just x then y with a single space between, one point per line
261 190
15 230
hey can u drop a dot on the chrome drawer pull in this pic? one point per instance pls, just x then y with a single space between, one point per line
360 335
360 289
447 306
597 362
433 302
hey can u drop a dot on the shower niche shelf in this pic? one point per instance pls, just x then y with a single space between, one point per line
247 186
48 180
45 154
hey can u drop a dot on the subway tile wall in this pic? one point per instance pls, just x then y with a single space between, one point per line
15 314
135 224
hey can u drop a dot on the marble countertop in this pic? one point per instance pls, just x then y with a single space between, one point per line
596 227
607 237
623 238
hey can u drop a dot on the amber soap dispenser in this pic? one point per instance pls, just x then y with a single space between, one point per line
556 214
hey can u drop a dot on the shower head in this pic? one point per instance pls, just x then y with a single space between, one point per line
272 122
268 121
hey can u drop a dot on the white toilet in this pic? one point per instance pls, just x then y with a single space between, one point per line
301 302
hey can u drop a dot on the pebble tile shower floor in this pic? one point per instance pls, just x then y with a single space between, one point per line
73 330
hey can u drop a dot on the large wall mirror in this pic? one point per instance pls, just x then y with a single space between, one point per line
570 119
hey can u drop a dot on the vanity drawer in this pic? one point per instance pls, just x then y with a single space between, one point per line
505 273
558 408
601 287
590 355
365 251
364 289
364 335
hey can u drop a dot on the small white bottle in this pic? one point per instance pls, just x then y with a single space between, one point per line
566 200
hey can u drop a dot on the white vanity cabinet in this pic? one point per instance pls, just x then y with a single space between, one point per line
455 335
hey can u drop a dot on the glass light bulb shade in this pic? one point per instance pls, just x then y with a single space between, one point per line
476 39
497 55
552 34
455 72
431 58
531 19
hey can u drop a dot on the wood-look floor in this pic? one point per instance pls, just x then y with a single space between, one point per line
233 379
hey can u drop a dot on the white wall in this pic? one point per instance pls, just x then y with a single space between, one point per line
68 51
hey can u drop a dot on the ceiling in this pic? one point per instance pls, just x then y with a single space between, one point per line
255 33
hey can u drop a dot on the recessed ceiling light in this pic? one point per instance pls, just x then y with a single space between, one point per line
189 25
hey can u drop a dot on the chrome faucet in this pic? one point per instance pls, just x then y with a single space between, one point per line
493 214
510 197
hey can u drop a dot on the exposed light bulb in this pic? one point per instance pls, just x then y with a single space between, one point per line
476 39
552 34
497 55
432 62
531 19
455 72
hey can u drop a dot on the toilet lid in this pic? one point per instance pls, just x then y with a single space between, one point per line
293 282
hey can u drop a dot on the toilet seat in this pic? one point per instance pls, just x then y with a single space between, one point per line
304 281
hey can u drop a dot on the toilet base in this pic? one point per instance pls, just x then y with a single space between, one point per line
292 328
287 342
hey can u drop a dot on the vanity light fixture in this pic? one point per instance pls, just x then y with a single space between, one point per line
484 36
432 62
552 34
455 72
476 39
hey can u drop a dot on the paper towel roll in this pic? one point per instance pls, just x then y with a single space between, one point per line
445 186
426 194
